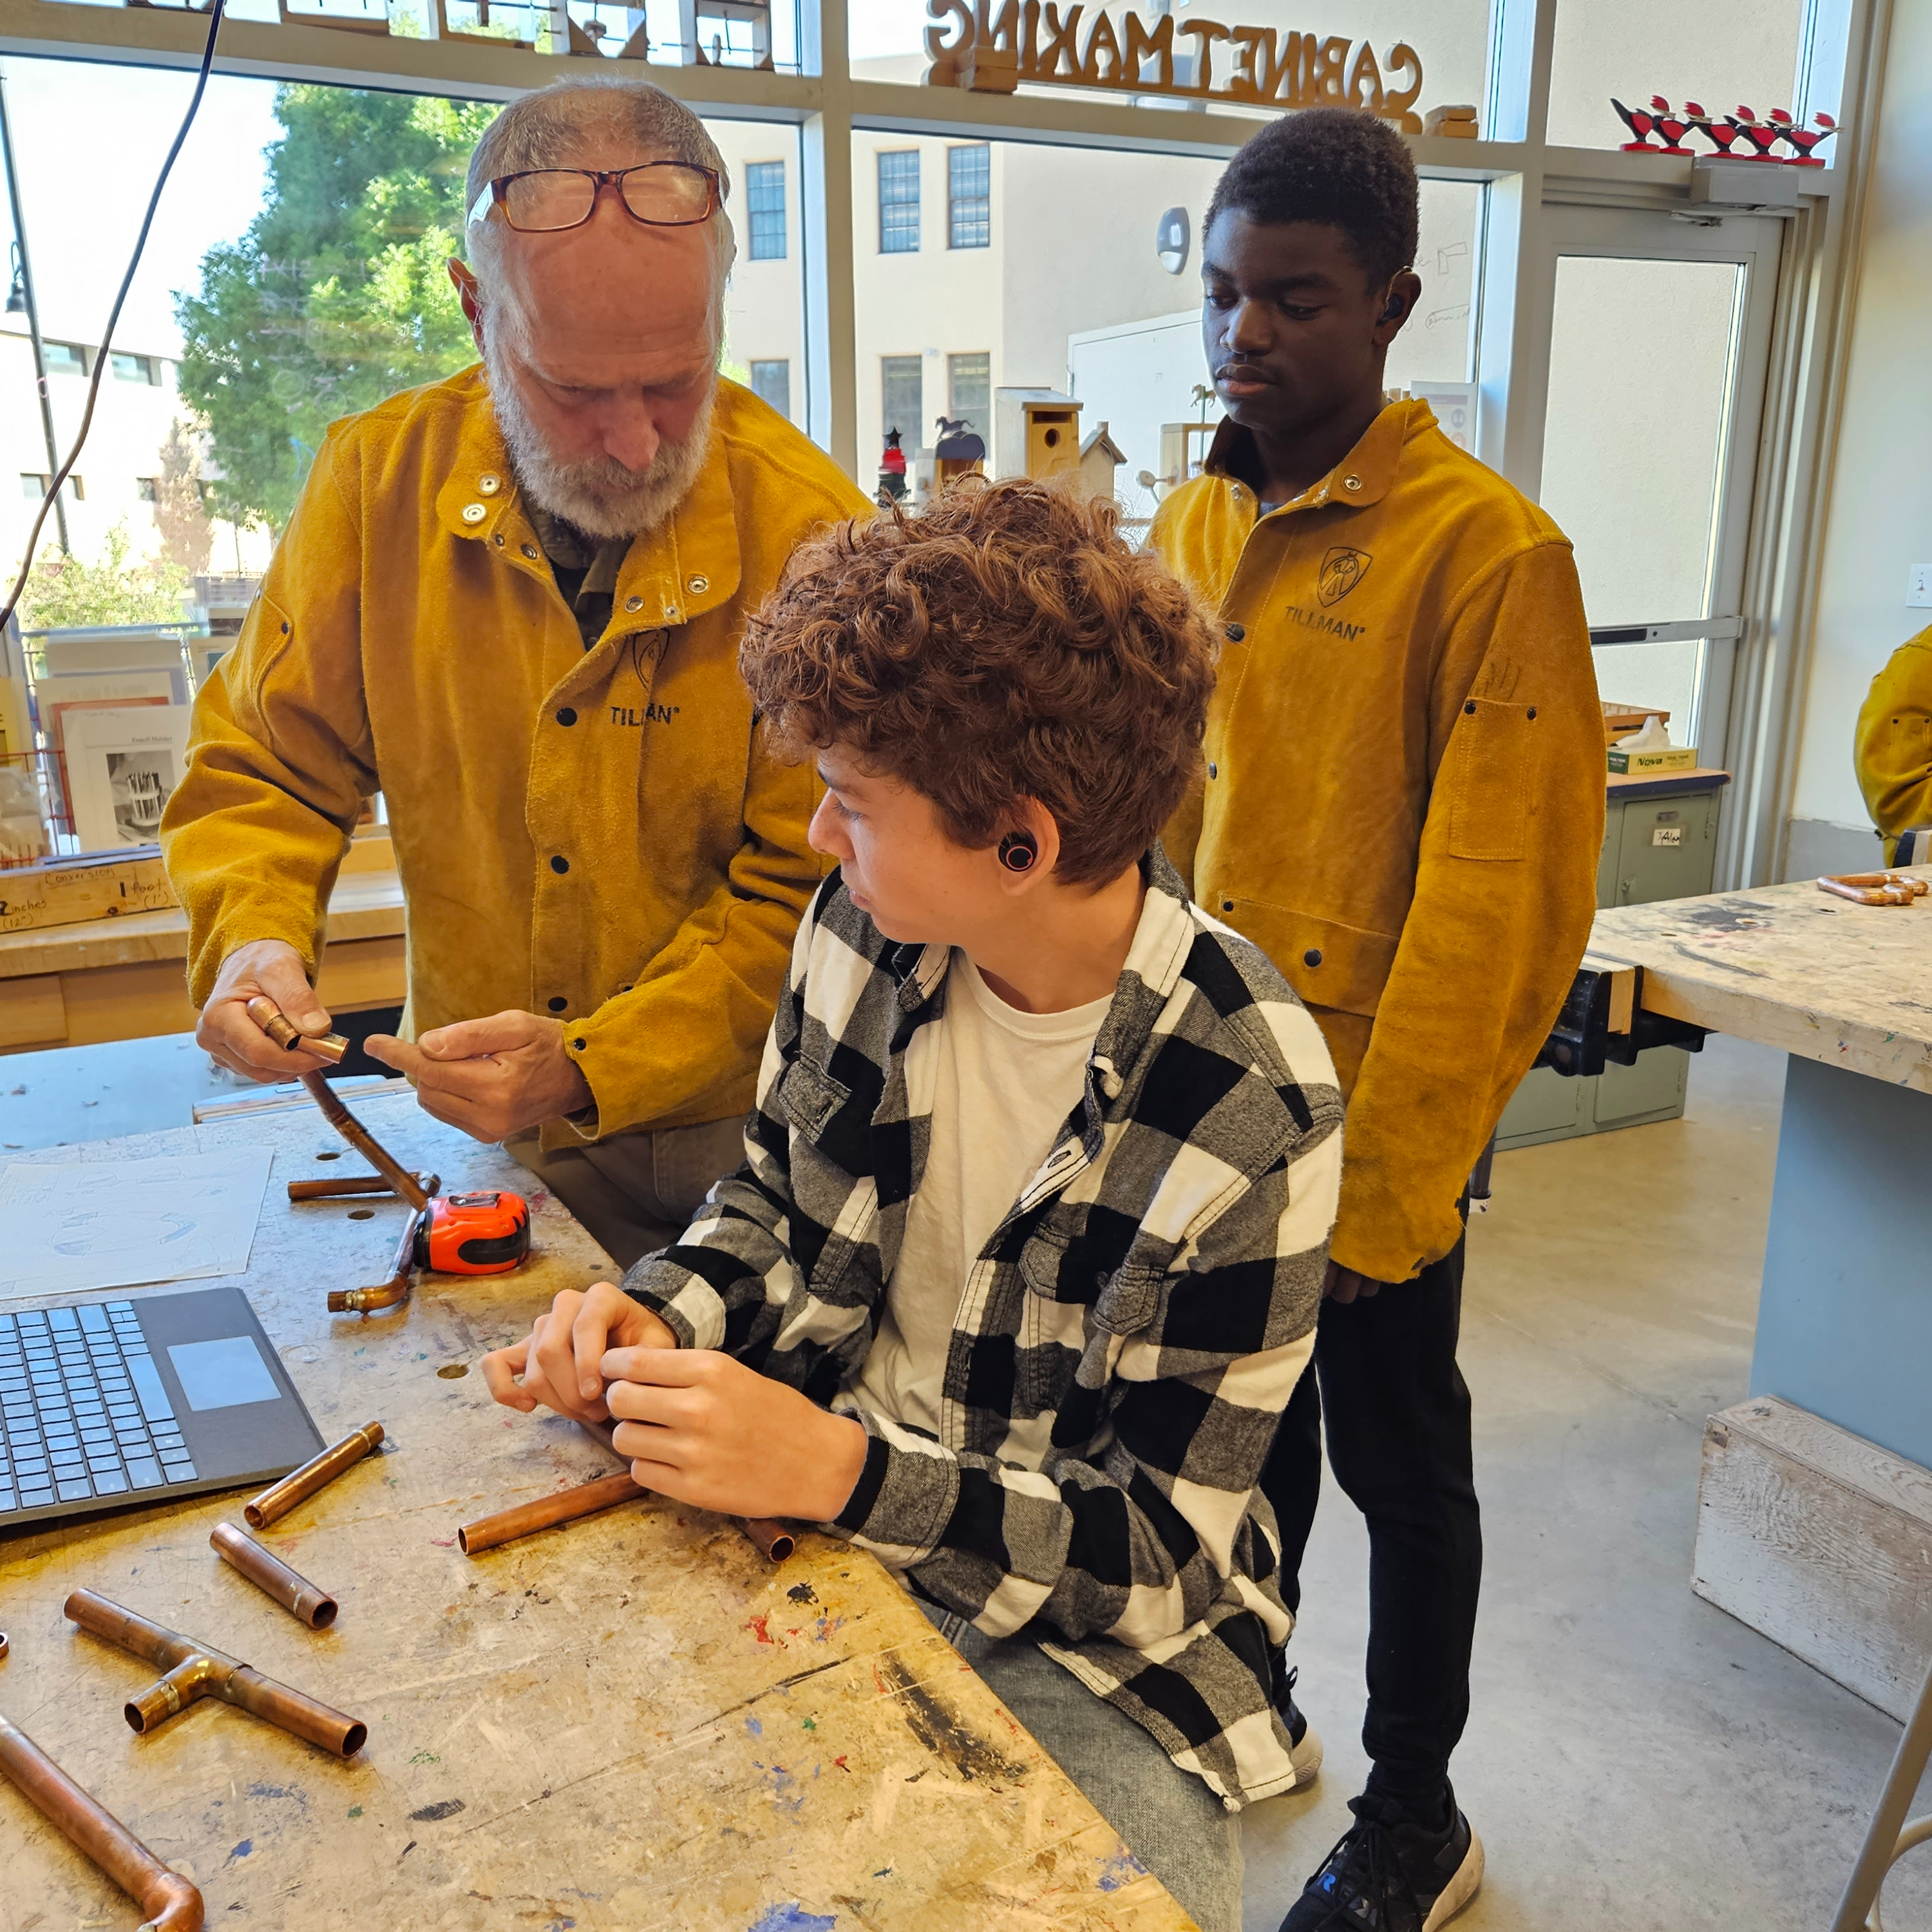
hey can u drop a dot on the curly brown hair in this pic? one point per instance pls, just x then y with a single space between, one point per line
1005 643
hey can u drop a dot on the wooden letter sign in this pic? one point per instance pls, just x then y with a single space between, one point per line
994 45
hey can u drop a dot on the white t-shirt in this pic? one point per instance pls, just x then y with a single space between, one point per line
1006 1081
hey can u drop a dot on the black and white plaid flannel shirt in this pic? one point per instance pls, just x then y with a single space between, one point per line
1126 1341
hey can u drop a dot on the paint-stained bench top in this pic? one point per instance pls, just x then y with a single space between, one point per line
630 1724
1793 967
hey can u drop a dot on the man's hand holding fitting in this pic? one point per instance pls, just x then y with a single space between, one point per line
273 968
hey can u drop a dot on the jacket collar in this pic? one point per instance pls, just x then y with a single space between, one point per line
1362 477
689 564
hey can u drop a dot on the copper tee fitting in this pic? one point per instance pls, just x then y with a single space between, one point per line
170 1903
195 1671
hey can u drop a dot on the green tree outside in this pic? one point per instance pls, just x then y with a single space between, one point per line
337 296
64 591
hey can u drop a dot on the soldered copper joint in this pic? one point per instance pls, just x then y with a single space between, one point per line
196 1670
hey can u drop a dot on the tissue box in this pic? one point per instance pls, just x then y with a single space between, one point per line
1644 764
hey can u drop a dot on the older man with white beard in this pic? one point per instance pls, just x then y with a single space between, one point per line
511 601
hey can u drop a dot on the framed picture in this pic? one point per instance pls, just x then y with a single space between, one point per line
121 765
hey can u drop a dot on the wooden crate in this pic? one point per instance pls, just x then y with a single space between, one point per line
63 891
1822 1542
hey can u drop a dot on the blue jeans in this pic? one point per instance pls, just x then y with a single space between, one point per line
1167 1817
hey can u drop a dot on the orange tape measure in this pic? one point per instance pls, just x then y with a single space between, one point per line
485 1233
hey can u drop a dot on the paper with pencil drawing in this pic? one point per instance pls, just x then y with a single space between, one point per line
71 1226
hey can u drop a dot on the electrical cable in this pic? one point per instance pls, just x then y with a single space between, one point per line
114 315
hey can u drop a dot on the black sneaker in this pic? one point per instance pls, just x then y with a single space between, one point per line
1304 1741
1387 1875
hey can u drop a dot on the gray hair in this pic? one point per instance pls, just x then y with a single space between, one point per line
548 128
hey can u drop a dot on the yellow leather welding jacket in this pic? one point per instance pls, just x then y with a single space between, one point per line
601 835
1403 796
1894 742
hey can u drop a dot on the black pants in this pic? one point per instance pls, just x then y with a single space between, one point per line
1398 1426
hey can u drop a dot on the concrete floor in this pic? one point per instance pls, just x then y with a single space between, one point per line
1636 1759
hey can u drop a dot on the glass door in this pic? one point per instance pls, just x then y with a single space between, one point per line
1659 337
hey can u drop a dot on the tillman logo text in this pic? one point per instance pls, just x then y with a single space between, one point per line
1342 569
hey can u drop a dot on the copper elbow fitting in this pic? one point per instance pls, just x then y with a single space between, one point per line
196 1670
389 1294
168 1902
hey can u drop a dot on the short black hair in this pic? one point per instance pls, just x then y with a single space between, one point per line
1341 166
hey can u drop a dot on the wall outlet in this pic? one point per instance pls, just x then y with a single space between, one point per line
1919 588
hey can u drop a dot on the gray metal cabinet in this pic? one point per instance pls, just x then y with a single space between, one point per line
1659 842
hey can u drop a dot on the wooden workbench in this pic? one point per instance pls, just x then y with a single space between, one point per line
1793 967
1815 1516
126 978
630 1724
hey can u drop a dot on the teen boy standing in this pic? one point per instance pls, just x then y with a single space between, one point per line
1026 1255
1403 805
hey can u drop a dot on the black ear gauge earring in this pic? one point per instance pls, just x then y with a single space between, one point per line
1018 850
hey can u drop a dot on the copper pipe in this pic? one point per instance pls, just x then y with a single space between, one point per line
389 1294
566 1506
290 1038
347 1184
776 1540
194 1671
298 1485
365 1143
170 1903
295 1593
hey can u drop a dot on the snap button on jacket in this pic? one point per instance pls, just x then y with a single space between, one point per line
606 828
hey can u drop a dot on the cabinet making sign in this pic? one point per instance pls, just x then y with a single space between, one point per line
991 49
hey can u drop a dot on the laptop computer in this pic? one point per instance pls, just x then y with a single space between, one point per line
120 1403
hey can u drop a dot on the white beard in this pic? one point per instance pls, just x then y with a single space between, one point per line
603 498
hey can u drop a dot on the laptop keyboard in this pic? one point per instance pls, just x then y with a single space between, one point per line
83 1408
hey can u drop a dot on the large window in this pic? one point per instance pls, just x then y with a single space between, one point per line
1088 308
901 398
898 202
765 208
262 311
969 196
771 382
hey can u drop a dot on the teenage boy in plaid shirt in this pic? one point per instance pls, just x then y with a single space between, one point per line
1025 1259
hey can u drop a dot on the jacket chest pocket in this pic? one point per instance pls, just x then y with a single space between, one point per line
832 1194
1491 756
1077 1312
